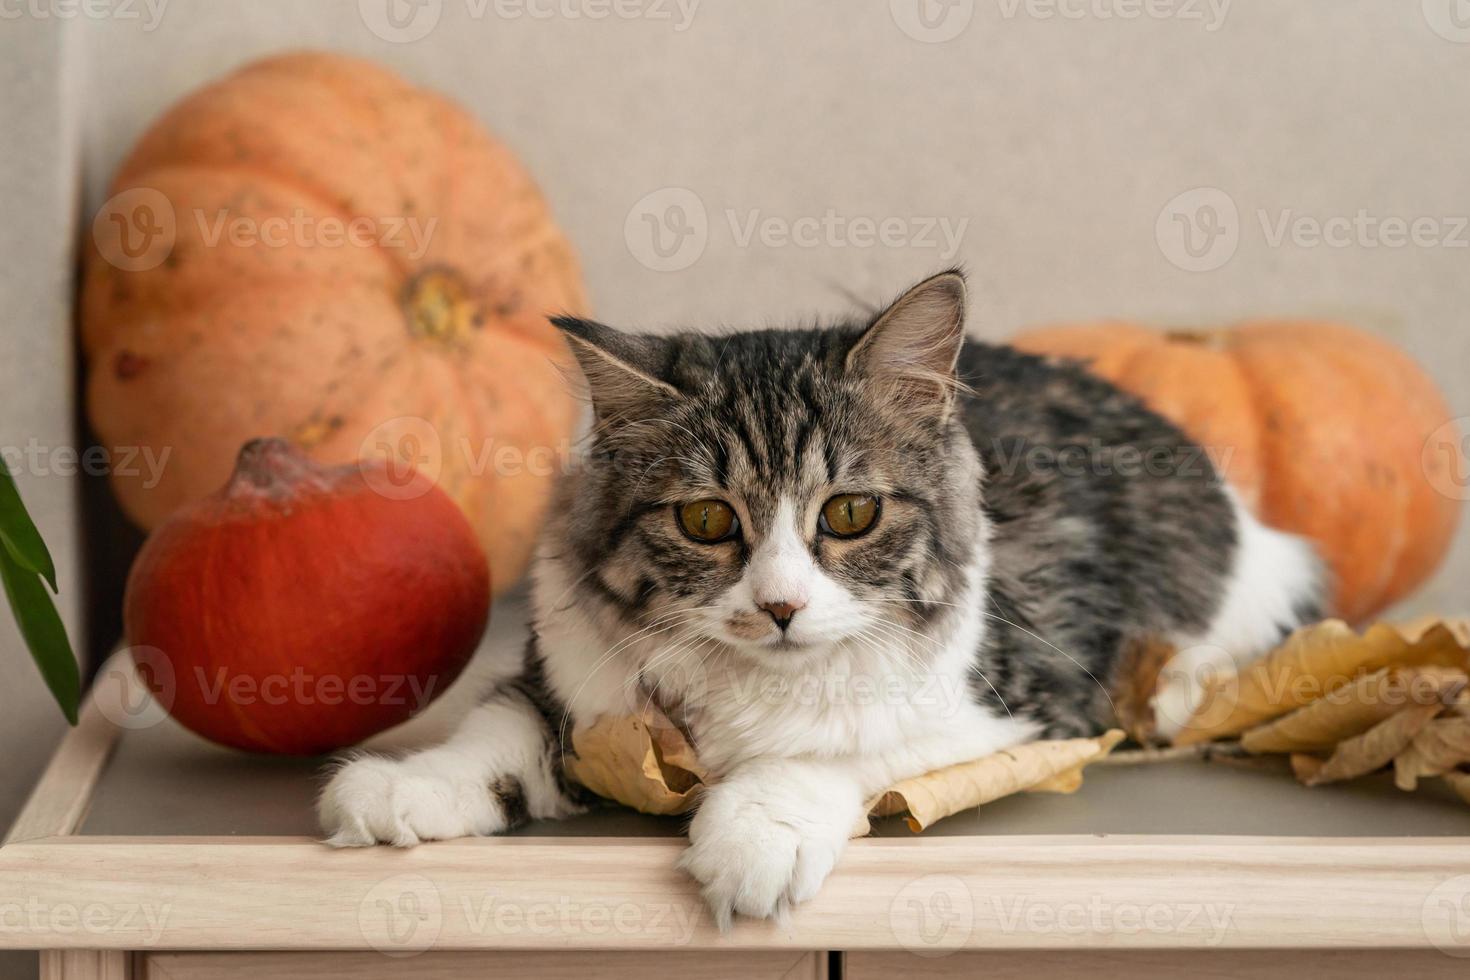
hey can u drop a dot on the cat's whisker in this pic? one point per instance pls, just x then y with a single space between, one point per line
1041 639
897 645
690 615
695 463
689 647
974 666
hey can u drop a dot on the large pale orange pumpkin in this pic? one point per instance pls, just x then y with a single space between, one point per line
315 249
1324 429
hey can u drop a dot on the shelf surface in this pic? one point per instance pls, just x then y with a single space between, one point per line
164 781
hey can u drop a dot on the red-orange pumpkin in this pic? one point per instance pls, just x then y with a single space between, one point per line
315 249
1326 431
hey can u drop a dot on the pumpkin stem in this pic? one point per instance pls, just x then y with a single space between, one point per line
1213 339
438 306
272 465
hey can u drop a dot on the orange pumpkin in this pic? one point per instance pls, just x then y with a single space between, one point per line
312 248
1325 430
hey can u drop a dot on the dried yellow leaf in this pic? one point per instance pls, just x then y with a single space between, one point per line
1439 747
1460 783
960 787
646 763
1063 782
633 760
1416 628
1354 708
1305 767
1313 662
1376 747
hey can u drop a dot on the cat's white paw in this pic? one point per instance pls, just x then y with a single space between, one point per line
758 856
374 800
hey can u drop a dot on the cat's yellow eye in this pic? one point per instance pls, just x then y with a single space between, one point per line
708 521
848 514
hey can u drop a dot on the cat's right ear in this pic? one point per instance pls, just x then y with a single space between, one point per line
623 370
914 344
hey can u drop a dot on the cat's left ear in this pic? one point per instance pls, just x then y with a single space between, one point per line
622 369
915 343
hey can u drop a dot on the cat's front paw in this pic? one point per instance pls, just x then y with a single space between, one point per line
374 800
759 856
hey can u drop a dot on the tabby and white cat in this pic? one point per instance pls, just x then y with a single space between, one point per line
838 558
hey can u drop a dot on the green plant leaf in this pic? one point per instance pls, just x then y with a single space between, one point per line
18 532
43 632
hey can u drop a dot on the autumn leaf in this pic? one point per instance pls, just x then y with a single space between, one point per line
947 791
1354 708
1312 663
640 762
1376 747
646 763
1439 747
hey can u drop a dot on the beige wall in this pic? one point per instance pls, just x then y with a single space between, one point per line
35 366
37 202
1058 141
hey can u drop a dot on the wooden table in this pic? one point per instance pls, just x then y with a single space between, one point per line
146 852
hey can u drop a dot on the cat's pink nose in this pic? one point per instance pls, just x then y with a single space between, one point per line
782 611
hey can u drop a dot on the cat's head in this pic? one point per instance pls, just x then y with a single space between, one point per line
779 490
